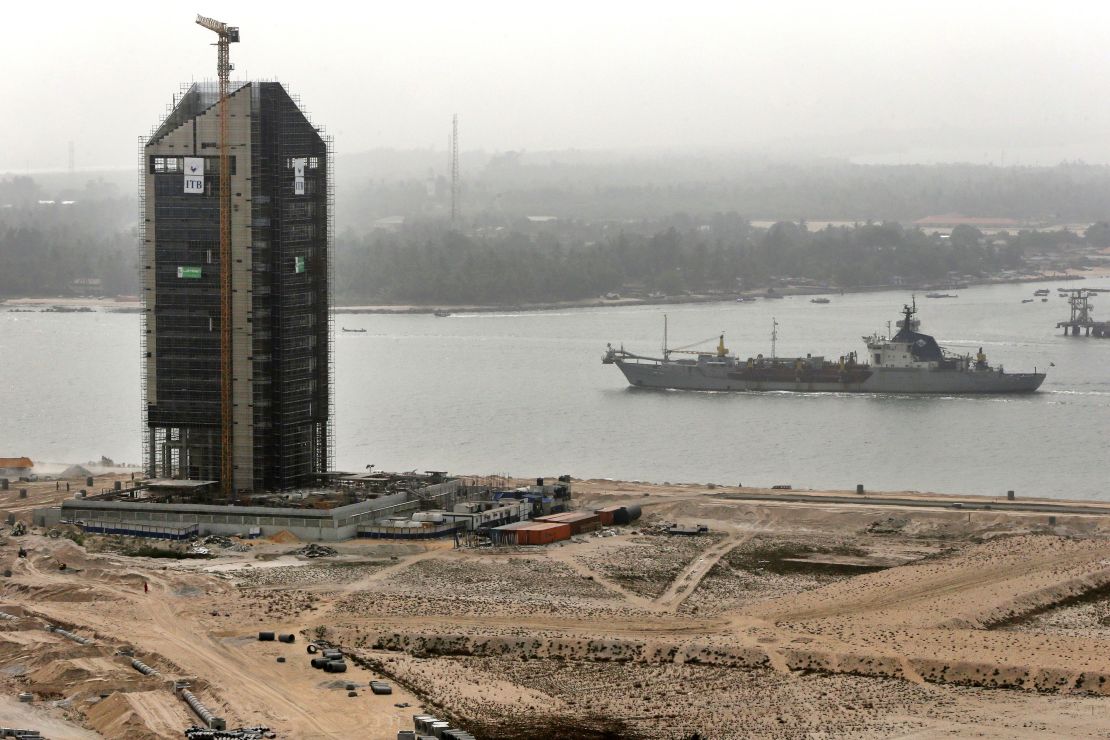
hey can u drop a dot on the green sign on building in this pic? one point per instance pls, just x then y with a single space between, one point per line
189 273
298 265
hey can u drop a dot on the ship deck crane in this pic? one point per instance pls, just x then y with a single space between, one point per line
227 35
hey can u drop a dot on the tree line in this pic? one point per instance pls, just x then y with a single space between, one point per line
498 257
47 241
419 266
635 188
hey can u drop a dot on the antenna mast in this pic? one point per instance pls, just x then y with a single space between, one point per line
774 336
227 35
454 168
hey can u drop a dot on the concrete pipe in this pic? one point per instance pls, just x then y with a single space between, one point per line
265 636
210 720
287 638
143 668
69 635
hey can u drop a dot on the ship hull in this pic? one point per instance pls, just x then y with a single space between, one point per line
681 376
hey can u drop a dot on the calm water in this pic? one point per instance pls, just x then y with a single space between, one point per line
527 394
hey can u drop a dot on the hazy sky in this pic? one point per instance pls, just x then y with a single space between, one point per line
881 81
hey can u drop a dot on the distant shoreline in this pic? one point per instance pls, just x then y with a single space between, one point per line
116 305
683 300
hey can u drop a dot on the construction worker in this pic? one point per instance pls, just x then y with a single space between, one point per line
146 587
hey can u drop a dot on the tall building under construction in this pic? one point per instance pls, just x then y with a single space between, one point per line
281 336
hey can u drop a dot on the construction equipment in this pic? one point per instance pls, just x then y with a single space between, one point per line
227 35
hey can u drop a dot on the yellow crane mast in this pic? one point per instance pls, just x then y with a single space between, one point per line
227 35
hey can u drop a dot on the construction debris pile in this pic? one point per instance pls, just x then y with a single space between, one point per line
428 726
243 733
6 732
225 543
313 550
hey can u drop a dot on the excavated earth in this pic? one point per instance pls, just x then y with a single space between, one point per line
787 619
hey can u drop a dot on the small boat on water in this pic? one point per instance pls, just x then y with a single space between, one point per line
1027 300
442 314
819 300
354 331
745 299
941 295
1042 291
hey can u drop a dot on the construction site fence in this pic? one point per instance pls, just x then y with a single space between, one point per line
410 533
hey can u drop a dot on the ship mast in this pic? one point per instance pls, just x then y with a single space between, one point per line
666 352
909 311
774 336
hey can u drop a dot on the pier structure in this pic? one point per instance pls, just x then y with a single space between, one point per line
1081 320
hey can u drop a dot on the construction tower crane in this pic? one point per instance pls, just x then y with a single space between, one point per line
227 35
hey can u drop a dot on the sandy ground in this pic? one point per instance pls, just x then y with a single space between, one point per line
46 493
787 620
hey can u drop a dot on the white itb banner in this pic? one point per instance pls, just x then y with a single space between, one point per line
194 175
298 175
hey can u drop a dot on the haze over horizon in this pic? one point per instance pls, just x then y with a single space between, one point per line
1001 83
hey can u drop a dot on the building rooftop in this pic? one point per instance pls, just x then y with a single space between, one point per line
568 517
537 526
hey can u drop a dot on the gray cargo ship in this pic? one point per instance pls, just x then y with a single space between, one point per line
908 362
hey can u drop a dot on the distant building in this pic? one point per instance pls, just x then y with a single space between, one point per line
389 223
951 220
281 258
15 466
87 286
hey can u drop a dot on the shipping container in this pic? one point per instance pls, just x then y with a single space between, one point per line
543 533
579 521
619 514
606 515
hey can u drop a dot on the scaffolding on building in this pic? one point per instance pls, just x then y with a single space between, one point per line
291 330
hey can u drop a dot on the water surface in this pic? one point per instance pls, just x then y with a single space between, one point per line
526 394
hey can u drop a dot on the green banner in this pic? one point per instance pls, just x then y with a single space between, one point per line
189 273
298 265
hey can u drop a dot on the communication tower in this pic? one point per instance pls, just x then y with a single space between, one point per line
454 168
